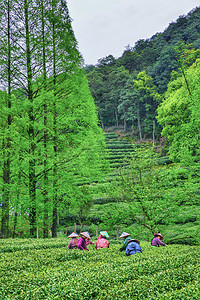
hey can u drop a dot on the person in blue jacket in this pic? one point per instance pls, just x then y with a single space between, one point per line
133 247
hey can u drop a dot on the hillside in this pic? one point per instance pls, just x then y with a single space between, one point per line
111 80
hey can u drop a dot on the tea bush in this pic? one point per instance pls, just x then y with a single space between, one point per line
46 269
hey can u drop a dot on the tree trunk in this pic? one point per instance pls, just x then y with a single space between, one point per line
139 125
101 119
5 206
153 132
45 139
116 118
6 144
55 222
125 124
31 133
55 194
15 224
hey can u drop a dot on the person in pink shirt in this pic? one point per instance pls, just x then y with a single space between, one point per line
156 241
82 241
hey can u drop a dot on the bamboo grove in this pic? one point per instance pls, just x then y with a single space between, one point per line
49 132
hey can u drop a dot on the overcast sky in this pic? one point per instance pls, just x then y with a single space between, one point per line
104 27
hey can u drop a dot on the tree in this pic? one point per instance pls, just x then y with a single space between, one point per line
179 116
130 59
128 108
116 81
56 127
6 81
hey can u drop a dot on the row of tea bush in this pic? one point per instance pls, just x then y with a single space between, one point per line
46 269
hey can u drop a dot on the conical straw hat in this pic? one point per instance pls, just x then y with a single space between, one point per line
159 234
73 235
86 234
124 234
104 233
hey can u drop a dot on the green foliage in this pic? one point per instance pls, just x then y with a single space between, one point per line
46 269
152 192
157 57
49 126
179 116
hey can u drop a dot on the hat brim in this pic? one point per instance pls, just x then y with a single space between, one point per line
85 234
104 234
123 236
158 234
73 235
133 240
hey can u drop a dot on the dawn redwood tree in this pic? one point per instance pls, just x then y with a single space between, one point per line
6 82
42 33
65 59
56 130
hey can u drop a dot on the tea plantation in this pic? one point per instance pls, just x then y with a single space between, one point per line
46 269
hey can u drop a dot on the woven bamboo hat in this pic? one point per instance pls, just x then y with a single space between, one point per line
86 234
159 234
73 235
104 234
124 234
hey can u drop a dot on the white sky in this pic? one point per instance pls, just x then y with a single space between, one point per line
104 27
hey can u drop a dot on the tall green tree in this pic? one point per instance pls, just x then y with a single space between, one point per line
6 81
138 102
179 116
56 127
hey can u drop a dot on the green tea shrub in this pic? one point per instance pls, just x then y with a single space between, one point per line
58 273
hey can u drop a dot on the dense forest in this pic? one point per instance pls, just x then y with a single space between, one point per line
111 145
128 89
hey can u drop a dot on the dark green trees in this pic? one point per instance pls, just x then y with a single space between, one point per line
156 56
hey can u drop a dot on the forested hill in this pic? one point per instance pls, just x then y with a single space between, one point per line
127 90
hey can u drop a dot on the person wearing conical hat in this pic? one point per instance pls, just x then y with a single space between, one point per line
82 241
74 241
156 241
133 247
102 241
126 237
